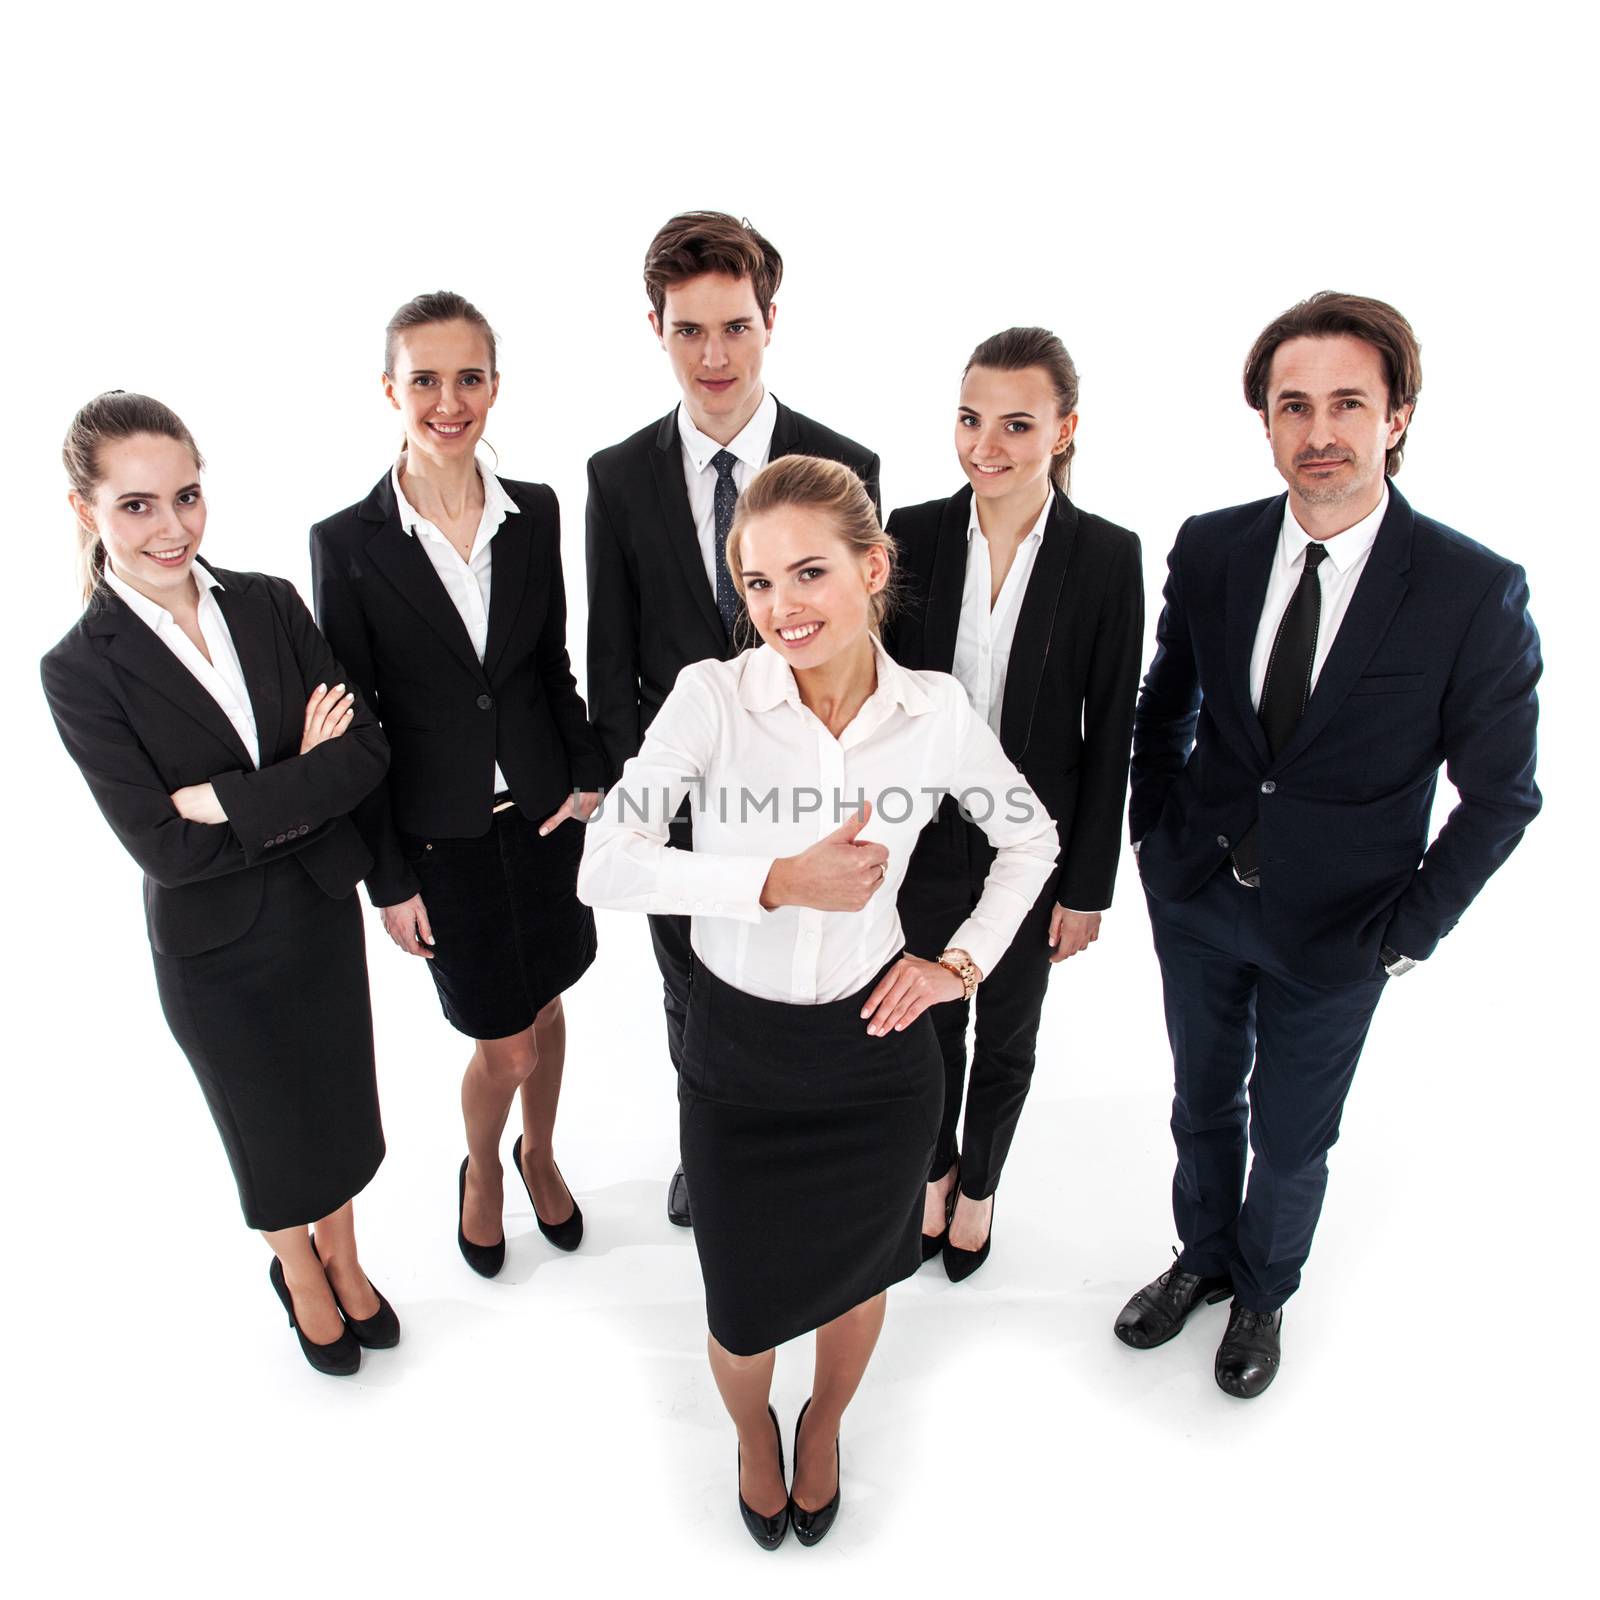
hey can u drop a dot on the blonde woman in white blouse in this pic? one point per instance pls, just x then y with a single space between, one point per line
812 1084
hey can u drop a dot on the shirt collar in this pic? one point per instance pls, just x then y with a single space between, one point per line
767 680
497 504
750 444
1032 536
1345 549
151 612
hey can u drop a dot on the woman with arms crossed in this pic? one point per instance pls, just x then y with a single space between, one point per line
811 1082
442 590
1038 609
217 736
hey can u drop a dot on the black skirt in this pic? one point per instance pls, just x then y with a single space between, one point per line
278 1028
806 1143
509 930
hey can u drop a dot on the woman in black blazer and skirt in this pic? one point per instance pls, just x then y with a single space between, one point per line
1038 609
442 590
811 1081
216 733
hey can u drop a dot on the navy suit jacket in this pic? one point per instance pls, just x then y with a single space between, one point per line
1435 663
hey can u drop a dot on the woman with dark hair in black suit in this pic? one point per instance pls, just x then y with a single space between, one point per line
442 590
1038 609
212 724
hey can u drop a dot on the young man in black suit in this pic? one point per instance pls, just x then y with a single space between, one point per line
1317 657
661 505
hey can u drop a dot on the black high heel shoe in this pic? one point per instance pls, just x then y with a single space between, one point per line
933 1243
380 1331
484 1259
339 1359
566 1235
767 1532
810 1526
959 1263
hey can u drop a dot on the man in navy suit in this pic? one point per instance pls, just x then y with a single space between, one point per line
1318 657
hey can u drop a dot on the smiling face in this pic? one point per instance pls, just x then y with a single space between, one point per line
148 511
807 591
1330 427
443 386
715 336
1009 429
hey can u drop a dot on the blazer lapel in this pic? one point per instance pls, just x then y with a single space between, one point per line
1036 625
666 462
508 581
1379 591
1249 568
946 583
248 613
135 649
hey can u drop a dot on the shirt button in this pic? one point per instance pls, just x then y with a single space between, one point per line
1222 841
485 701
1269 787
699 905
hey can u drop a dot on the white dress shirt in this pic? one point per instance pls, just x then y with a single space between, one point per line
1338 577
221 677
466 582
769 780
985 633
749 446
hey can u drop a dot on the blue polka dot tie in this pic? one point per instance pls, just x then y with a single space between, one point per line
723 501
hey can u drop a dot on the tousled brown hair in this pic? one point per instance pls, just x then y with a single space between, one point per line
830 487
442 305
696 242
1327 314
1016 350
110 417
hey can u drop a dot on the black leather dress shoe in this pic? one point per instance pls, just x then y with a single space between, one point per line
380 1331
767 1532
1160 1309
678 1213
1247 1358
566 1235
810 1526
339 1359
484 1259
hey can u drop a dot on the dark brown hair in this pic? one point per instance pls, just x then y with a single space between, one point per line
1016 350
710 241
817 485
443 305
106 419
1327 314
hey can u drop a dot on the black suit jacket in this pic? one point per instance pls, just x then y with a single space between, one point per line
448 716
1435 661
1074 668
651 611
140 726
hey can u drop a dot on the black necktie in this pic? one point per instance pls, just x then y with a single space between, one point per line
723 500
1287 687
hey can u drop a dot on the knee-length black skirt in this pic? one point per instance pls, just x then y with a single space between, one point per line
509 930
806 1143
278 1029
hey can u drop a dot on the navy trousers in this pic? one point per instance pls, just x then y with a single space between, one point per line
1260 1057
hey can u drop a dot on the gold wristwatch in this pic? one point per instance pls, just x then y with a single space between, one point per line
965 968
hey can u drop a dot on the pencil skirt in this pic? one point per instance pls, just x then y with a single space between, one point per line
806 1142
277 1026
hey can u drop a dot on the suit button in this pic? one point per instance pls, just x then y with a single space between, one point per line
282 838
1269 787
485 701
305 828
1222 841
266 844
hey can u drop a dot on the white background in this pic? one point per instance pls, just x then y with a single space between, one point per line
221 206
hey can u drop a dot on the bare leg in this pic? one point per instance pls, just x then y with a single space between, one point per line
969 1226
314 1309
336 1244
844 1347
744 1382
498 1068
938 1199
541 1093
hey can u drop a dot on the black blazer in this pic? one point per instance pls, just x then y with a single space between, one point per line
448 716
1436 660
1068 710
651 611
140 726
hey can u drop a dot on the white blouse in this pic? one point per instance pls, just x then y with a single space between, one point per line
769 780
221 677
